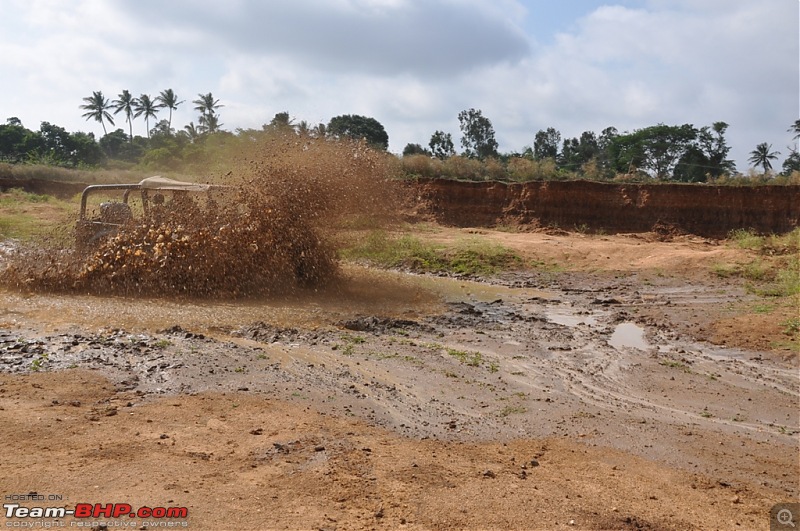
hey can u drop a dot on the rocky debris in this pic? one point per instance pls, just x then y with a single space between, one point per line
476 314
380 325
267 333
177 330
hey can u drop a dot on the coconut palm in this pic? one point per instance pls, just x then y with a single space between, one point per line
282 122
125 102
303 129
168 99
319 131
209 123
97 106
207 106
192 132
147 107
762 155
795 128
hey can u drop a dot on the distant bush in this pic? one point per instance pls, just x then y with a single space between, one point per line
421 166
523 169
58 173
463 168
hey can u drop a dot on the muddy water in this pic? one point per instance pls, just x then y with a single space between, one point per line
359 291
628 335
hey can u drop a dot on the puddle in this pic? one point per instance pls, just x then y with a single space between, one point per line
628 335
362 291
570 319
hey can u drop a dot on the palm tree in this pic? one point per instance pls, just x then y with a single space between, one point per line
319 131
207 106
303 129
192 132
97 106
144 105
168 99
209 123
795 128
125 102
762 155
282 122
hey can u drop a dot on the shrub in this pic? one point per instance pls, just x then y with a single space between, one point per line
463 168
421 166
523 169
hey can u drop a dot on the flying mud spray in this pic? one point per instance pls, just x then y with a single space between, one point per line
273 228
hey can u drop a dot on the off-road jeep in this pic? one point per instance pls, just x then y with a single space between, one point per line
122 203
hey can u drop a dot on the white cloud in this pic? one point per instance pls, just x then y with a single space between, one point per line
424 38
414 64
731 61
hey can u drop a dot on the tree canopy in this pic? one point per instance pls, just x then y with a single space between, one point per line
666 152
441 145
97 107
358 128
763 156
477 134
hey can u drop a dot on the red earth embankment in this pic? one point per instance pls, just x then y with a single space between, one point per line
704 210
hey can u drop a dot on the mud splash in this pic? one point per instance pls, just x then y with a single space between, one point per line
272 231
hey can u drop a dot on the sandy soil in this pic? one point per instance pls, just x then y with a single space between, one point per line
628 388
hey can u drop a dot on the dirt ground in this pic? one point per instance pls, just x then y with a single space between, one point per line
618 385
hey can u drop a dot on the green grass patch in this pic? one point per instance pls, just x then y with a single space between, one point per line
725 270
746 239
791 326
26 216
473 359
764 308
769 245
676 365
15 197
770 277
783 282
471 256
757 270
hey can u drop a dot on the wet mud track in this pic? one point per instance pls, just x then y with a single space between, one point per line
529 358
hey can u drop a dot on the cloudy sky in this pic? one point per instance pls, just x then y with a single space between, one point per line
575 65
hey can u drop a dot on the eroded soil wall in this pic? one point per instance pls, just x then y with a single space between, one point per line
711 211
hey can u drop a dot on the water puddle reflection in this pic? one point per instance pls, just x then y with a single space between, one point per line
570 319
628 335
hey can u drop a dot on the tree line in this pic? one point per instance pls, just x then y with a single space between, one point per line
665 152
